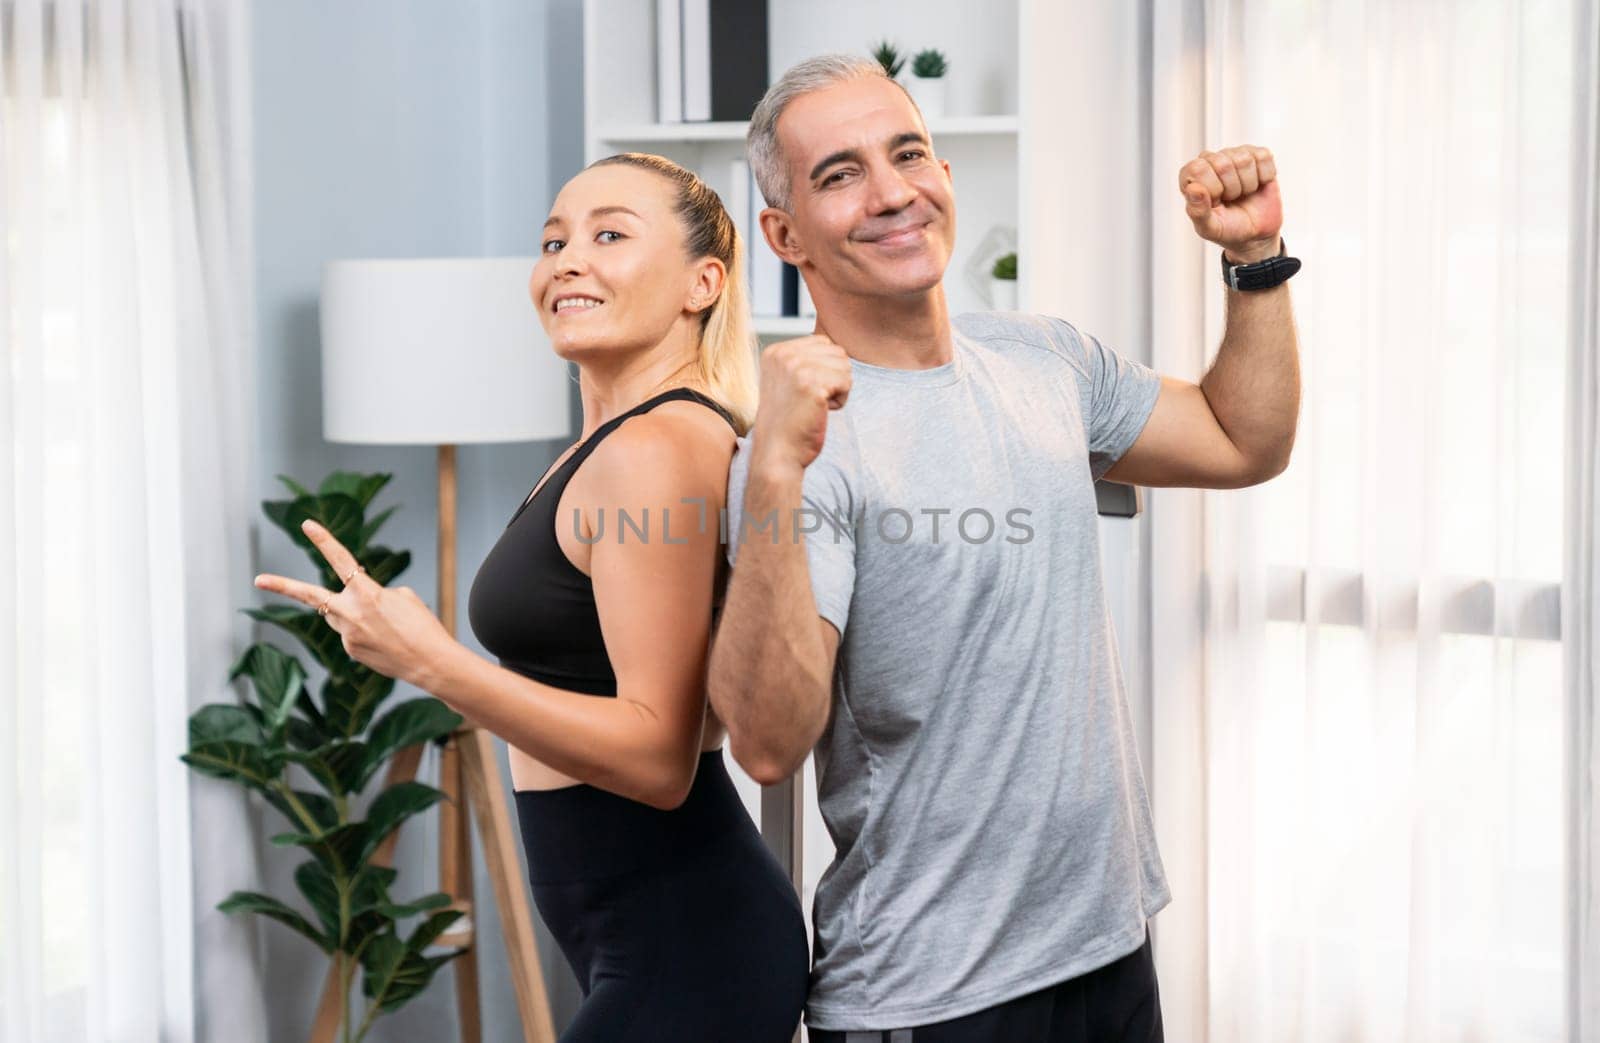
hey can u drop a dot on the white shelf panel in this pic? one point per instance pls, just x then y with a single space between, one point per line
735 131
727 131
785 325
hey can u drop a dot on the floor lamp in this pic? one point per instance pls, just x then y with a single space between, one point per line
446 352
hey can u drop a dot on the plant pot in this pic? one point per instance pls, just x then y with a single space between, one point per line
928 93
1003 294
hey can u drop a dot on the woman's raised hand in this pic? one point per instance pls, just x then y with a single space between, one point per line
387 629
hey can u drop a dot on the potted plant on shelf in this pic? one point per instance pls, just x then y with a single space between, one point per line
888 56
927 84
1003 283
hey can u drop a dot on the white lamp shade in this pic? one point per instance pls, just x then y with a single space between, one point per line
438 352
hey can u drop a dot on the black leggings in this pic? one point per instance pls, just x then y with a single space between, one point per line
680 924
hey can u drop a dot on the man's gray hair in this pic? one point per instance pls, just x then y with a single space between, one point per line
813 74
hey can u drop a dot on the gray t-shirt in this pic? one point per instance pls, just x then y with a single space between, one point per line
978 774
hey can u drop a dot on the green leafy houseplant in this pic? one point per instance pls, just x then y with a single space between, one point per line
341 743
929 64
1005 266
888 56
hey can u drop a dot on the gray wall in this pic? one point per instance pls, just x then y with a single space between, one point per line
400 128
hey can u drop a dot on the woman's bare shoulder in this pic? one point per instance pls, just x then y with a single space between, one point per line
676 443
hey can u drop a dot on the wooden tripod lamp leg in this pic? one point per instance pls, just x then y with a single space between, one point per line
455 880
516 918
480 772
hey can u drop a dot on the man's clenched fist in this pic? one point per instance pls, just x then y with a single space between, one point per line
800 381
1232 198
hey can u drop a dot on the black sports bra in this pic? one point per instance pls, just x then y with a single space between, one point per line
530 605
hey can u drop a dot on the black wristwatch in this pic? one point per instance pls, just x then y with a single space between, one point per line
1260 275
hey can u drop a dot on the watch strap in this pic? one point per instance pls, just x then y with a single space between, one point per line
1260 275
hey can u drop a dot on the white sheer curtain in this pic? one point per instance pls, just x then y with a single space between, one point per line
126 426
1359 720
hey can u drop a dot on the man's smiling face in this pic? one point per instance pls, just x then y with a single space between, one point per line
871 207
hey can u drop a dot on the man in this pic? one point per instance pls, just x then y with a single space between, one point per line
925 486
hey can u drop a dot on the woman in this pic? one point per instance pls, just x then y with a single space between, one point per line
599 601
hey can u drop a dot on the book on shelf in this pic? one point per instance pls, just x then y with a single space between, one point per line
695 55
741 188
669 65
711 59
766 270
791 289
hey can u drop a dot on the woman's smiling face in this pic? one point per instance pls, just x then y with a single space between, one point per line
613 273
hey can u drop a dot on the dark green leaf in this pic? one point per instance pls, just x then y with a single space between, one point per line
321 808
364 926
277 512
369 888
303 735
348 760
394 974
350 701
421 905
322 811
224 722
232 760
322 892
323 642
392 807
411 722
294 486
339 766
313 713
369 904
257 716
385 565
340 514
265 905
431 928
278 678
339 850
318 768
381 963
370 529
359 487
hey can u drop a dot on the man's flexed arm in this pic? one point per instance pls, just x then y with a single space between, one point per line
772 660
1237 426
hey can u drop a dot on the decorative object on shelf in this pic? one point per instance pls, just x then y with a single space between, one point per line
978 264
888 56
1003 282
342 743
711 59
927 84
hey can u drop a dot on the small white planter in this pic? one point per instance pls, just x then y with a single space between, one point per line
928 93
1003 294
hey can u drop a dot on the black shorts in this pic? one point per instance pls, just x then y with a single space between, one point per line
1117 1003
